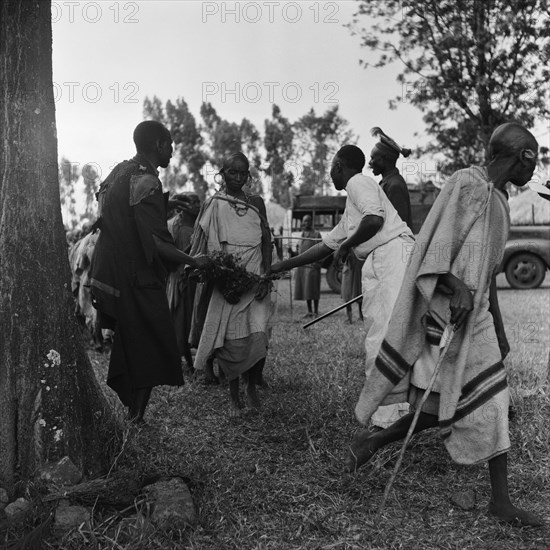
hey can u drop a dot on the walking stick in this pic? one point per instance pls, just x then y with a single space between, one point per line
444 346
321 317
290 292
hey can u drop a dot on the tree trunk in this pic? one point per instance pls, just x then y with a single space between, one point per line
50 402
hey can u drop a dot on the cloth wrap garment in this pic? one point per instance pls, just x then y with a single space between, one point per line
180 290
464 234
128 280
237 334
308 277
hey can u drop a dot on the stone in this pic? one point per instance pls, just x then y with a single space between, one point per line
69 517
465 500
63 472
17 510
171 504
4 498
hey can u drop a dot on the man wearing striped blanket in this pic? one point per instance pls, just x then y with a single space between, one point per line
450 279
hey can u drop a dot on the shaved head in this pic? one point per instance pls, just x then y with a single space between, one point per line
148 133
510 139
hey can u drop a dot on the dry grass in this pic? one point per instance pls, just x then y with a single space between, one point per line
274 480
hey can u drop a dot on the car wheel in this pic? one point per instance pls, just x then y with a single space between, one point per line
525 270
334 278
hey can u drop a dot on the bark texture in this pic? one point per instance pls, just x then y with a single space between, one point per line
50 402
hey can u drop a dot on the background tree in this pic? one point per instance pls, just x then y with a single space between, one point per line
317 138
468 65
222 138
251 147
91 181
153 109
188 161
50 402
278 138
68 176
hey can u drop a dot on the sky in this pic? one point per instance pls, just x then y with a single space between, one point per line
240 56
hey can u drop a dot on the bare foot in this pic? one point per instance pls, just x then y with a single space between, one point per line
361 450
515 516
262 383
253 399
236 409
206 379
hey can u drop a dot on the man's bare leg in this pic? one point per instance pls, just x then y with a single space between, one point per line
188 358
360 306
260 381
366 443
253 377
500 506
236 403
349 311
140 399
209 376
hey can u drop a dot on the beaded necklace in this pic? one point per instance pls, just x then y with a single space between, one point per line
240 209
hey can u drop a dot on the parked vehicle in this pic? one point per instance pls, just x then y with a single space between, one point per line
526 256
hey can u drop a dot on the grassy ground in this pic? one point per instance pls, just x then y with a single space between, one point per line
274 479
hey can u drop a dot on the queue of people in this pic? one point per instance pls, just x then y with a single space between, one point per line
408 300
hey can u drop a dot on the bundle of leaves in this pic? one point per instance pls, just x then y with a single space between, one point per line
230 277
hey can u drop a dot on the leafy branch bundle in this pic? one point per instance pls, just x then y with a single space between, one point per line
230 277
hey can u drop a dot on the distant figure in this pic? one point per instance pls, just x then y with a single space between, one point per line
132 257
308 277
351 284
80 258
382 161
180 289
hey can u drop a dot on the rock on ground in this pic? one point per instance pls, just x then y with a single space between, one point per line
172 505
18 509
69 517
465 500
63 472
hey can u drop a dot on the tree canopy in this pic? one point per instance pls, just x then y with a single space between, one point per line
468 65
318 138
295 156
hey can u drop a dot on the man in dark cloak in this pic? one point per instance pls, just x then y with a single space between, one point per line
133 255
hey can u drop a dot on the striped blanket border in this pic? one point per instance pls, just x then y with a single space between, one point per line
478 391
390 363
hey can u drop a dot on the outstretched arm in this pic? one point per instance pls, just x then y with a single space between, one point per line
314 254
170 253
